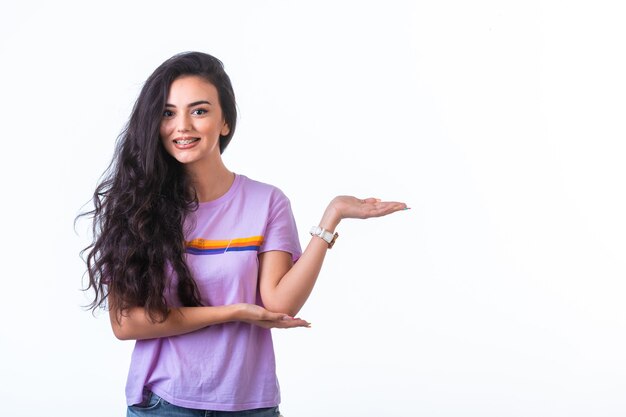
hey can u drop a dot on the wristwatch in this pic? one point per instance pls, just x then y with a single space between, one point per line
329 237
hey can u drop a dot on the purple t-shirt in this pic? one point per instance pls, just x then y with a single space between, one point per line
225 367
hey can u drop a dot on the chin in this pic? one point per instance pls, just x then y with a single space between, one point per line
186 161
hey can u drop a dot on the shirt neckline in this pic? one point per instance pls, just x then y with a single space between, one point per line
225 197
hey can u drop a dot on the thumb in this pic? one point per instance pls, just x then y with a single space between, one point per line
277 316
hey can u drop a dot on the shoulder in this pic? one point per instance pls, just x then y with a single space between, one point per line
261 190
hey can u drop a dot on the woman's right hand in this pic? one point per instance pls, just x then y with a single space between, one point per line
259 316
135 323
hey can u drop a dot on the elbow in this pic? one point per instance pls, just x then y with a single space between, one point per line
120 333
281 302
283 308
116 320
122 328
292 312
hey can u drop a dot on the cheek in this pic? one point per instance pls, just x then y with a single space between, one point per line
164 132
165 142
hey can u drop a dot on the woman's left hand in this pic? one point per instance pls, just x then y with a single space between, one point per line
348 207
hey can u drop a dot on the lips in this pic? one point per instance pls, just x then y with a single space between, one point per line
185 142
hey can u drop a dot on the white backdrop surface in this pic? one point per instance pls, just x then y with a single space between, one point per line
501 123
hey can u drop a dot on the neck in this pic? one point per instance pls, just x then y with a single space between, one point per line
210 183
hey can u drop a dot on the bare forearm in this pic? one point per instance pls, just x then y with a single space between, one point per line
135 323
296 285
284 287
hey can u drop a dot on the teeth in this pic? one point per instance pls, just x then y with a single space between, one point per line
185 141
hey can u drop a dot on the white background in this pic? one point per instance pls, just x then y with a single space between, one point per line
501 123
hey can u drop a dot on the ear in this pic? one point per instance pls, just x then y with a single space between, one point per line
225 129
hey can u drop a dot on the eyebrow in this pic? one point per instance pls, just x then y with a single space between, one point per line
195 103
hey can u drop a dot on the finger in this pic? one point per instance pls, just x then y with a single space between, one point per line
385 208
395 206
287 324
391 203
271 316
378 204
299 324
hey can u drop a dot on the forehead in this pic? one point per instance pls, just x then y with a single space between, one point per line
191 88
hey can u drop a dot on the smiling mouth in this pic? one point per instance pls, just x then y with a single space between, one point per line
186 141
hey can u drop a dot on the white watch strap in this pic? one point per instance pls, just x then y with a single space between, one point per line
327 236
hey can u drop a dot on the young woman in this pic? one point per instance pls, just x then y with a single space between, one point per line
197 263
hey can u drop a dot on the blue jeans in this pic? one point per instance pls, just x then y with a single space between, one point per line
155 406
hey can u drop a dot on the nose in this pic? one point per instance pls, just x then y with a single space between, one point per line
183 124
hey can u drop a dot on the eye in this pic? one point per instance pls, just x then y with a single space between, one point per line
199 112
168 113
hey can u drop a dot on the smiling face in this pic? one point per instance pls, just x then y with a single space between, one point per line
193 122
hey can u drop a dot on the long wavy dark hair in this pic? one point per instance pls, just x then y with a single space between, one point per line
142 201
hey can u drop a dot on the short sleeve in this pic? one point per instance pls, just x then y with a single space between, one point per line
281 232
